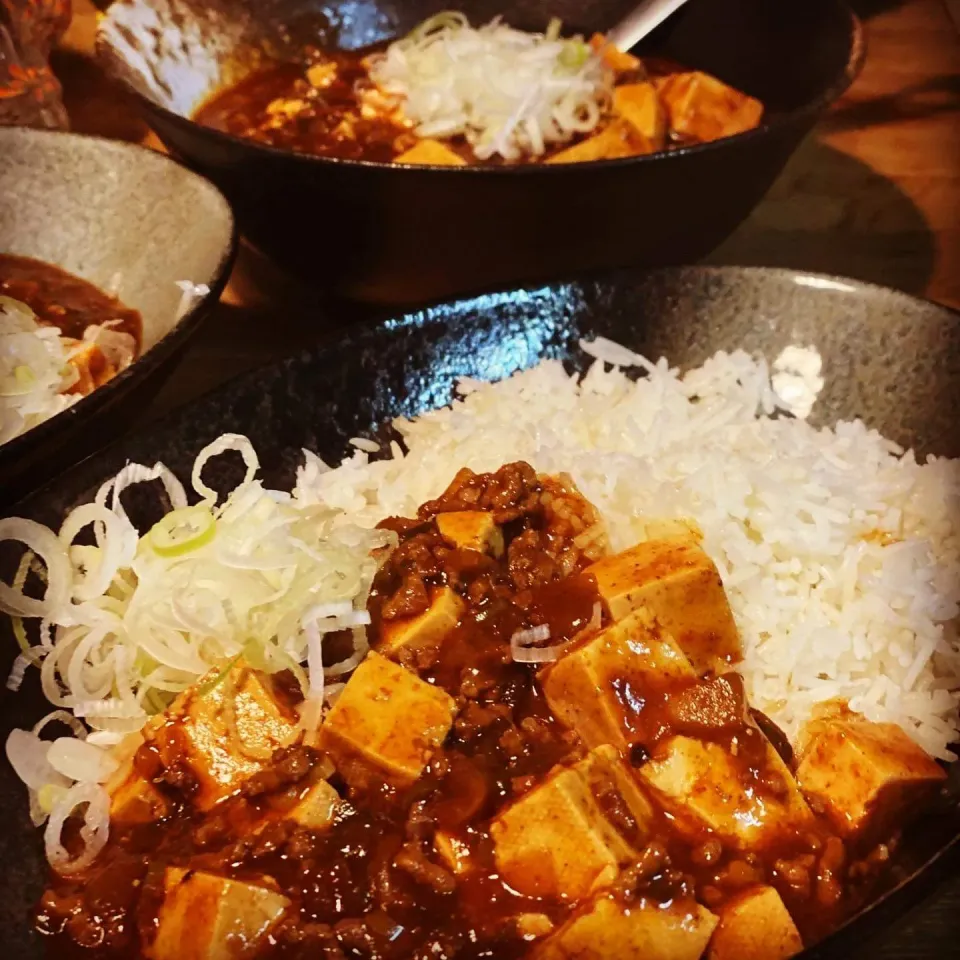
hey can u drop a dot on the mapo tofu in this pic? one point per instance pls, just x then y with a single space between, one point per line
864 775
755 925
450 95
547 753
61 338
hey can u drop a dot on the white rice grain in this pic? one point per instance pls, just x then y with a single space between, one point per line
840 553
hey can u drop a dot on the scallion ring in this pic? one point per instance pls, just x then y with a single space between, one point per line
182 531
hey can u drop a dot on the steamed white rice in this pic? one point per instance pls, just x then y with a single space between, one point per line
840 553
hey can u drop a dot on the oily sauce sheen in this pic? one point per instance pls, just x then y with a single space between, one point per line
62 300
278 106
370 886
317 128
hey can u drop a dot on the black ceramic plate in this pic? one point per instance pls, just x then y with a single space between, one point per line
890 359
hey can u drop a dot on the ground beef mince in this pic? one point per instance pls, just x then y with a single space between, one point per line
408 868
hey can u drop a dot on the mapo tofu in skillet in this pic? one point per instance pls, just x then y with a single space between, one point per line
452 95
547 753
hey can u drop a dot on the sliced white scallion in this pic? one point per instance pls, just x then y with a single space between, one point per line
34 370
48 797
538 654
27 754
64 717
81 761
18 671
524 649
134 473
229 441
95 802
508 92
526 638
118 347
182 531
127 624
117 541
59 572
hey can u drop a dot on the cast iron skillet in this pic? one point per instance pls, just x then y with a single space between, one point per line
888 358
410 235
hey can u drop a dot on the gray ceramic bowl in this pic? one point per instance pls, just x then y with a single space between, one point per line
132 222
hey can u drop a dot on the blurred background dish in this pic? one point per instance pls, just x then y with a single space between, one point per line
426 99
137 227
386 234
30 93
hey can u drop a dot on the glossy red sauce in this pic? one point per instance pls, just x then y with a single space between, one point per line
278 106
351 900
62 300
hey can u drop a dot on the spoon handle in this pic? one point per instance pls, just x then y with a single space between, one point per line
644 18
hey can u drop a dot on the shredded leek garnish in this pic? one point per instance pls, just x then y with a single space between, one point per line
182 531
508 92
49 795
20 632
36 372
574 54
128 624
208 686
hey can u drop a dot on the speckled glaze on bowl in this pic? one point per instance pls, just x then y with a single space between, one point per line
133 223
890 359
395 234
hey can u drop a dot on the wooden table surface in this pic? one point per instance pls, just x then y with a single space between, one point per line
873 193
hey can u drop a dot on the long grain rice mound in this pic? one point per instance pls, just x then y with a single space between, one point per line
840 553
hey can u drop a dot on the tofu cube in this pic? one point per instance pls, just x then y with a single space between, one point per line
93 367
559 839
377 105
617 60
453 851
532 926
755 925
864 774
705 787
223 733
206 917
640 106
614 141
385 725
556 841
424 631
676 580
601 687
645 931
471 530
137 801
316 807
671 528
612 784
431 153
133 799
703 108
321 75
